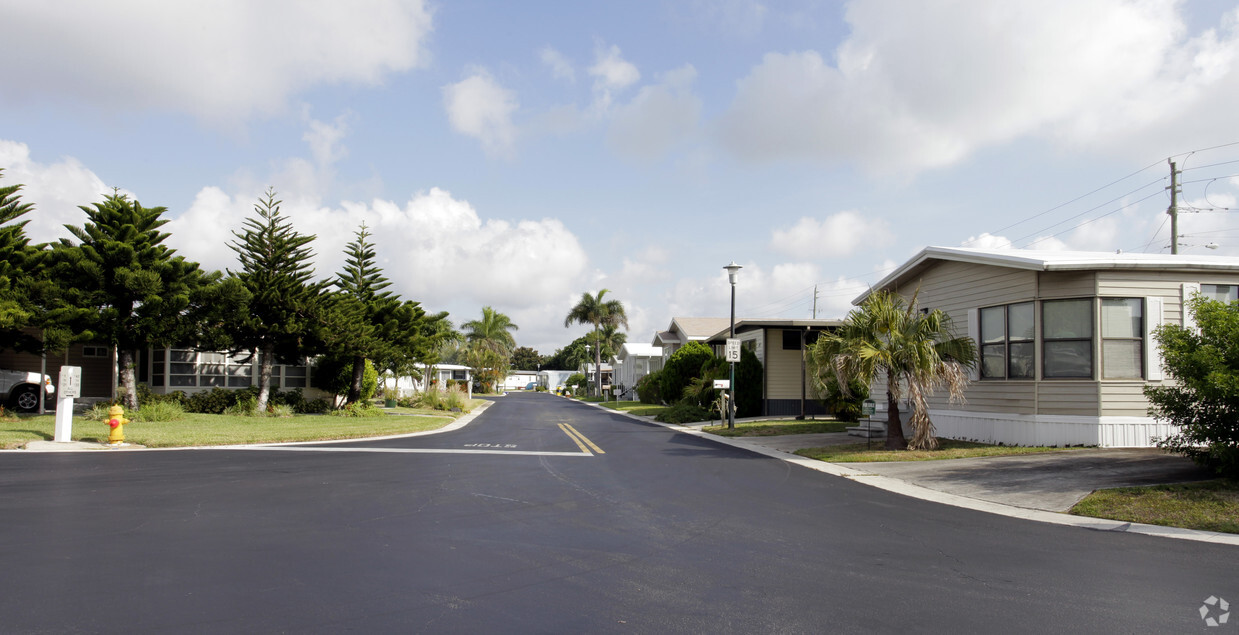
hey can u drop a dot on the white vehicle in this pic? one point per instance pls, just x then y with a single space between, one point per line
19 390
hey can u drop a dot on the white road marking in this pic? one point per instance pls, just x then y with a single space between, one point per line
304 448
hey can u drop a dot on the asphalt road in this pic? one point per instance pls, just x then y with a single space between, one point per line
510 526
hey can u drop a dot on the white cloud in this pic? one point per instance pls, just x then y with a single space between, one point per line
479 107
324 138
220 61
659 117
928 84
612 74
987 241
56 190
838 235
782 291
560 67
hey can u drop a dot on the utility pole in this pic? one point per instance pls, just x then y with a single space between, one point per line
1174 208
815 301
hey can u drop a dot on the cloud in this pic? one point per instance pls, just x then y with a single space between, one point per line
741 17
219 61
929 84
782 291
479 107
55 189
658 118
612 74
560 67
835 236
324 138
987 241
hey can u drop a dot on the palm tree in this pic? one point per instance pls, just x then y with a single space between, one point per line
917 351
592 309
490 339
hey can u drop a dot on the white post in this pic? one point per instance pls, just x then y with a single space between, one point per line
70 387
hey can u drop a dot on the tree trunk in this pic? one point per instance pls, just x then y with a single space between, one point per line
359 373
265 362
894 424
127 379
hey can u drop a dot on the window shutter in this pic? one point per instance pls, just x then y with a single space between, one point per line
1189 289
1152 351
974 331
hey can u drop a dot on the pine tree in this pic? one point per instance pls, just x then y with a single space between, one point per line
16 312
281 319
370 312
122 285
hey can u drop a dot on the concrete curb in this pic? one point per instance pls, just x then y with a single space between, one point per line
924 493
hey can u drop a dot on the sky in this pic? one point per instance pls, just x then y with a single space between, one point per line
519 154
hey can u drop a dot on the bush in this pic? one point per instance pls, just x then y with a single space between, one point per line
1202 401
683 413
312 407
359 409
159 411
648 390
577 382
213 402
682 367
245 406
280 410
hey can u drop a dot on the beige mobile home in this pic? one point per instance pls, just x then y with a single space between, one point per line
1065 338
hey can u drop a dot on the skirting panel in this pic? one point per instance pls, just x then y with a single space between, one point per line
1051 430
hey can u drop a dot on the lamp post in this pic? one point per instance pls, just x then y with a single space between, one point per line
732 270
588 352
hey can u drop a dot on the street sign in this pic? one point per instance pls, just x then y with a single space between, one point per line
868 408
731 352
70 381
722 384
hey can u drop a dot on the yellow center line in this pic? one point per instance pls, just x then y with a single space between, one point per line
578 437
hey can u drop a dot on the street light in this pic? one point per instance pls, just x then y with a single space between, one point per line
732 270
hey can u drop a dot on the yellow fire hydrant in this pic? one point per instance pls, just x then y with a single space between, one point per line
117 421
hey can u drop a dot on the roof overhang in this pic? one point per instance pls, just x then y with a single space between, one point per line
1033 260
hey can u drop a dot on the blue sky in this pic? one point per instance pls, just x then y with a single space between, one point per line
518 154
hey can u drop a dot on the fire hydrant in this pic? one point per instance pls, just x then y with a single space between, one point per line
117 421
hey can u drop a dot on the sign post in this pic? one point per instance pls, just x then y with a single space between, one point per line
70 386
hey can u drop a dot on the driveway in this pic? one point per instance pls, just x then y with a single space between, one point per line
1053 481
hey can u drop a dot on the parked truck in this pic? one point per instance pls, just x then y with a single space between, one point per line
20 391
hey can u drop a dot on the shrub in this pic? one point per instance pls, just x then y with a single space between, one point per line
456 399
312 407
280 410
648 390
682 367
359 409
213 402
577 382
683 413
159 411
245 406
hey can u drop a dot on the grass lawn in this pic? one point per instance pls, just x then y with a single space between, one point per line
1207 505
202 429
635 408
947 449
776 428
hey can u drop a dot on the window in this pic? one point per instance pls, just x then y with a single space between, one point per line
1007 348
791 340
1067 338
1122 338
1220 292
94 351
